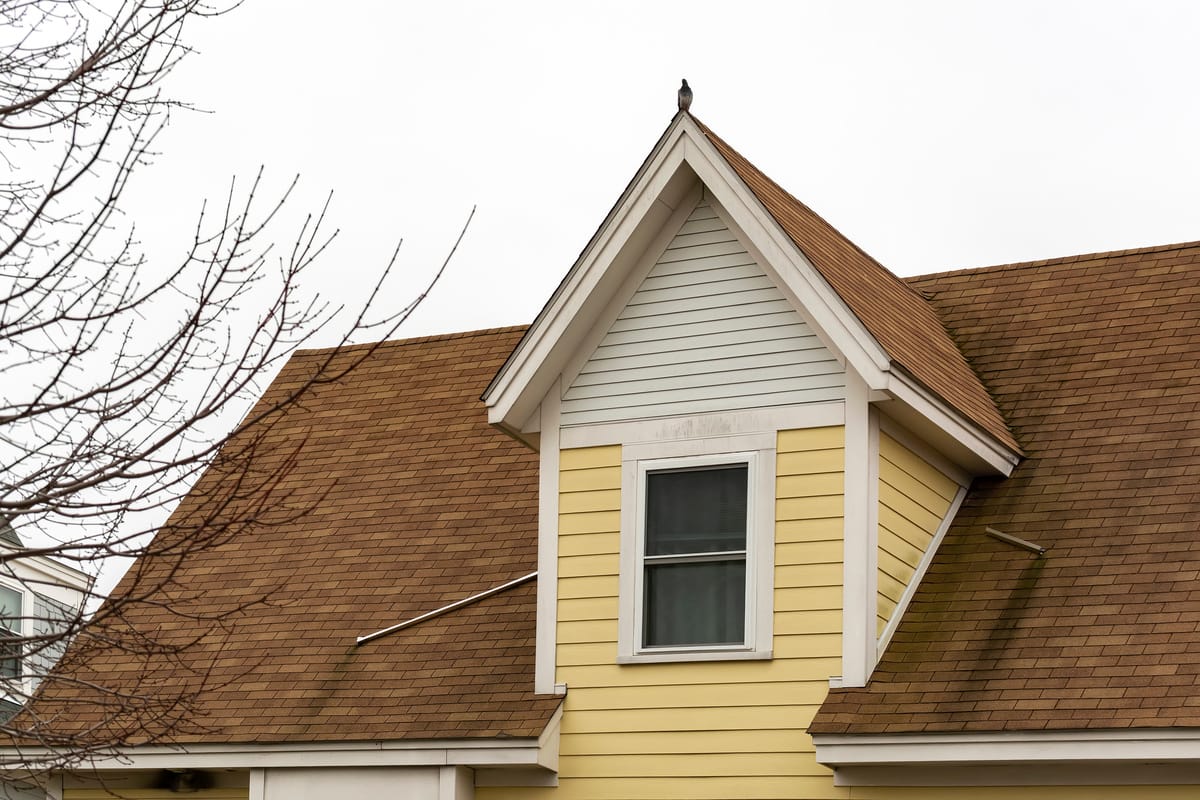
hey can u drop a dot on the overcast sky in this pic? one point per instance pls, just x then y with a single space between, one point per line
935 135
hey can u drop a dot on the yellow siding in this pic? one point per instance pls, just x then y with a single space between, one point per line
914 498
704 729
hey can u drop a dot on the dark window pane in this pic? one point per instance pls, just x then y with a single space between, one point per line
10 657
689 604
696 511
10 609
10 628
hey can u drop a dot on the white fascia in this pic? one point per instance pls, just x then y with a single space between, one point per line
865 759
43 571
475 753
784 263
525 377
987 452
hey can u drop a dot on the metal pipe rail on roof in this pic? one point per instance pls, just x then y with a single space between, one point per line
466 601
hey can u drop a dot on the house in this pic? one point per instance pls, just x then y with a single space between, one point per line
40 601
40 597
740 514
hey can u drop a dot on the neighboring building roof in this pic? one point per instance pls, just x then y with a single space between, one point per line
1095 361
408 501
895 314
7 534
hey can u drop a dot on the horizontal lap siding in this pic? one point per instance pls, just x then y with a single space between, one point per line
701 729
707 331
914 498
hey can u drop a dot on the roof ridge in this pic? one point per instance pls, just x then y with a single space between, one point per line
412 340
1045 262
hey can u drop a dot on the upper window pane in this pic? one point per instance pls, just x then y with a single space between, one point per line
696 511
10 626
10 609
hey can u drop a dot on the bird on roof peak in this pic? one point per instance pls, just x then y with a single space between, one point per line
685 96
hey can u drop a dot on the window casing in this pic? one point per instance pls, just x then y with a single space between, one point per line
12 616
697 557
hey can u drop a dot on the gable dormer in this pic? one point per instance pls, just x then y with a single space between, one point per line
718 341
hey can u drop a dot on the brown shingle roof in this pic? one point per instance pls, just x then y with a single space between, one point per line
1095 361
898 317
415 503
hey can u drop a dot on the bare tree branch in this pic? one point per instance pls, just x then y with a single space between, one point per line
124 380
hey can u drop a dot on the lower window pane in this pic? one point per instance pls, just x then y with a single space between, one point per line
689 604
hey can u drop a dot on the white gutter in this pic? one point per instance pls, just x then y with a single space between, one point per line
1145 744
496 753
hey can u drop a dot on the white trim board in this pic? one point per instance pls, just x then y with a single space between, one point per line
705 426
1105 774
547 553
494 753
1009 748
858 580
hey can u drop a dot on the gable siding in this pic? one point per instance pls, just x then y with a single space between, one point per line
706 331
914 498
50 617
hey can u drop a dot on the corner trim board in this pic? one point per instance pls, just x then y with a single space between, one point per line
547 554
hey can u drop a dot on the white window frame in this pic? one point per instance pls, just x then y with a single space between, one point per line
760 544
24 633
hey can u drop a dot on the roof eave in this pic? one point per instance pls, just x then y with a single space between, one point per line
1130 756
500 752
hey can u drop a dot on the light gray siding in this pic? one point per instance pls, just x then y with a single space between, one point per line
50 618
706 331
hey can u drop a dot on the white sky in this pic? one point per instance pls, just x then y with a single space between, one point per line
936 135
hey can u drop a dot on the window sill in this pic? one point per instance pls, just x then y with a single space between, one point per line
676 656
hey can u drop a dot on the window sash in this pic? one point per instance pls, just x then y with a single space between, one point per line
695 578
11 617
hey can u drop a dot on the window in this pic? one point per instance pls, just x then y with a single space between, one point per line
696 555
694 562
11 618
